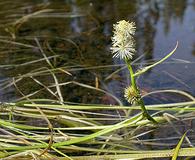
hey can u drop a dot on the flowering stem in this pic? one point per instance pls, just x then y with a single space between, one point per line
140 100
131 74
145 112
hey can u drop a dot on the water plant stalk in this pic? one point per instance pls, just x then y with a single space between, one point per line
123 47
139 99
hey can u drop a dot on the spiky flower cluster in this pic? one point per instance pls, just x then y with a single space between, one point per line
123 44
131 95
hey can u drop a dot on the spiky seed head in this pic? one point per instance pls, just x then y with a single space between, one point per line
131 94
123 43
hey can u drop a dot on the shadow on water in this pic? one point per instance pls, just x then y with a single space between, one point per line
75 36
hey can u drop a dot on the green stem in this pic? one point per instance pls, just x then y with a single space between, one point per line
131 74
140 101
145 112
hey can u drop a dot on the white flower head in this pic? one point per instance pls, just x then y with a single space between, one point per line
123 44
125 27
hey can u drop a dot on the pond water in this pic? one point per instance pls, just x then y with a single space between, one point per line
60 50
75 36
78 34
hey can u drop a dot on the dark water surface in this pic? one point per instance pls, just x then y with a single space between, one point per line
77 33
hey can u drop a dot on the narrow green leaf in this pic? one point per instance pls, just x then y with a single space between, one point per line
176 151
153 65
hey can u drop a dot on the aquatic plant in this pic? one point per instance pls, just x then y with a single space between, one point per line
123 47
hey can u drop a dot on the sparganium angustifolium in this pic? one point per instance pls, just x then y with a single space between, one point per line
123 47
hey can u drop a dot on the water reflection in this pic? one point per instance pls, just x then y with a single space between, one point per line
79 32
